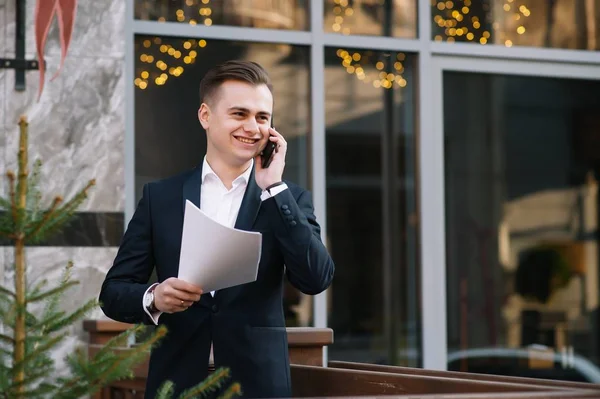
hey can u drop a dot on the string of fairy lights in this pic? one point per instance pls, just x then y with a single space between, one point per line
366 65
368 68
453 15
172 57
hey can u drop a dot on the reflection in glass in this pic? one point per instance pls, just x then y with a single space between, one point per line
267 14
371 206
169 138
396 18
570 24
522 164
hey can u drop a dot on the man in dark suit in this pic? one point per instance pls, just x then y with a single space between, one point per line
243 326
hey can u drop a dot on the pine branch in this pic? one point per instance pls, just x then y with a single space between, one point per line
6 219
118 368
57 319
55 218
48 215
42 390
41 368
30 319
38 287
55 291
70 319
115 368
6 339
212 383
4 380
7 227
165 391
78 362
5 204
7 292
32 376
9 315
52 304
49 319
234 389
40 349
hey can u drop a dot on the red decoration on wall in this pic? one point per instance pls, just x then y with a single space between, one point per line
44 13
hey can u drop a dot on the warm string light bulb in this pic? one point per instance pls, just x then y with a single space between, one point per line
172 62
353 62
174 56
341 10
454 16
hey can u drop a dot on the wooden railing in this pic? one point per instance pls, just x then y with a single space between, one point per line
305 347
346 379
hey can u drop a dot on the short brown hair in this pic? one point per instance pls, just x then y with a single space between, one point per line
242 71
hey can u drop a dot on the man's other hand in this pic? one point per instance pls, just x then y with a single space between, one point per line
175 295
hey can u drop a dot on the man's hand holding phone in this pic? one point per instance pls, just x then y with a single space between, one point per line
273 173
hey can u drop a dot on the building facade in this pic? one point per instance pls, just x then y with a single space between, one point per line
469 235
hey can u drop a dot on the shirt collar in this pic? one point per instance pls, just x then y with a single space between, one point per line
207 170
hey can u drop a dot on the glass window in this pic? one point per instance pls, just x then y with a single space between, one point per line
522 164
396 18
371 206
569 24
168 137
268 14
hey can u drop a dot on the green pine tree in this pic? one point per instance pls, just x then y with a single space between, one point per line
27 338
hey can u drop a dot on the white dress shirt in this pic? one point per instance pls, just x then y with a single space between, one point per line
221 205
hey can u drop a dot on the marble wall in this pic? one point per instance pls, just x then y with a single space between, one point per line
77 130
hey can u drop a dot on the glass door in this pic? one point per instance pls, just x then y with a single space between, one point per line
521 150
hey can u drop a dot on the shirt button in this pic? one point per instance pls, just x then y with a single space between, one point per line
284 207
215 308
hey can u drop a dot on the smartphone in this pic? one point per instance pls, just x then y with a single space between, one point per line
267 154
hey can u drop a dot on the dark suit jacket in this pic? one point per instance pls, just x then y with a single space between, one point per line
246 322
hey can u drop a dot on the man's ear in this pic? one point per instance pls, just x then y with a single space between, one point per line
204 115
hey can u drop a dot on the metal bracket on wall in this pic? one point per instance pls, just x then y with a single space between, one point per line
19 63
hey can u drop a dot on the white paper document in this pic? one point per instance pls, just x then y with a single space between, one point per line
214 256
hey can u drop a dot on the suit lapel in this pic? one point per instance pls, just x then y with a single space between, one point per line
191 187
250 205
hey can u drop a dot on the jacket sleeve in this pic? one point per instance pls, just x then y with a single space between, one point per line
309 266
126 282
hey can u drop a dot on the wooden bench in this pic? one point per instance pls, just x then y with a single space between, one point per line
348 379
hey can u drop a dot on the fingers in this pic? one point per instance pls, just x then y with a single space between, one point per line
179 295
274 135
278 139
178 304
181 285
174 295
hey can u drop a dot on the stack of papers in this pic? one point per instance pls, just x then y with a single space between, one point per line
214 256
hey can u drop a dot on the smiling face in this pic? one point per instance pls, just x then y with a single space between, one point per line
236 119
